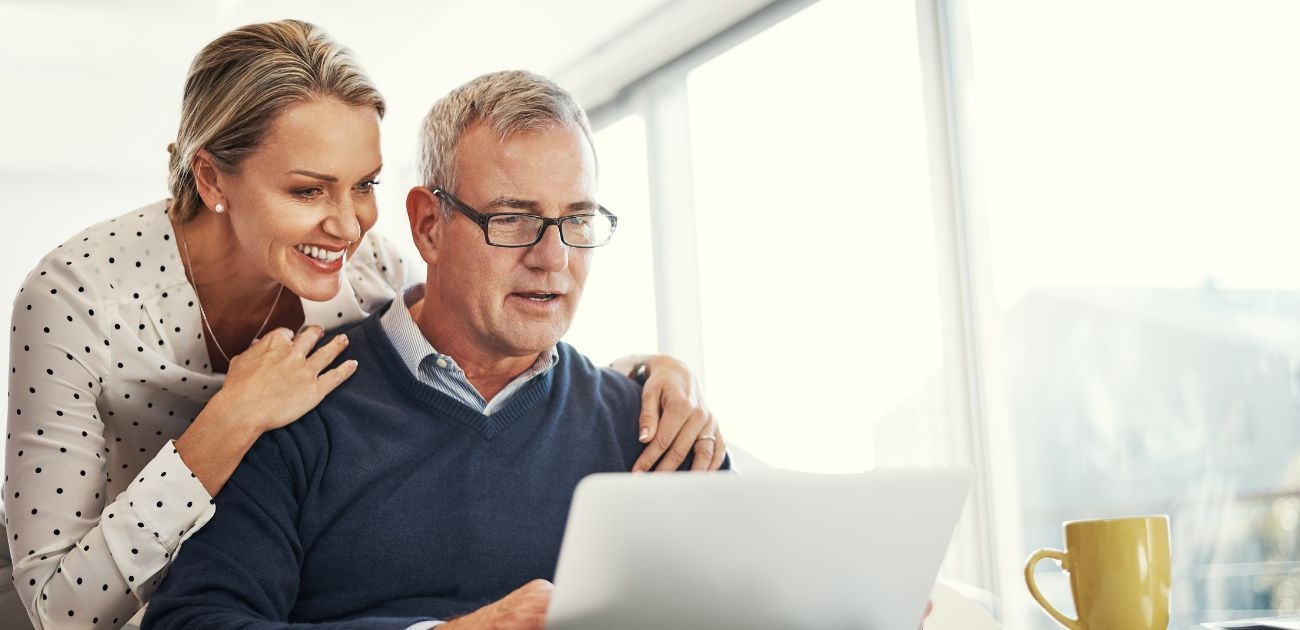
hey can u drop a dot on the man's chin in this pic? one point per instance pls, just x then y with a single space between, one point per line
527 342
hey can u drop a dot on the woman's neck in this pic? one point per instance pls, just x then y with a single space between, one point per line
235 297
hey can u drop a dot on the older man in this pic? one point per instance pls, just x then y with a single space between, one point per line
435 483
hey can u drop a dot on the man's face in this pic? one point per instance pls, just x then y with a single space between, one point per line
515 302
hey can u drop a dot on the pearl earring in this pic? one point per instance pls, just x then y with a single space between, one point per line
219 209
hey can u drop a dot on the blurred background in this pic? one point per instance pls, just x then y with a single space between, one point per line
1054 241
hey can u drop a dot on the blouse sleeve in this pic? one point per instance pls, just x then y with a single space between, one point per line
80 557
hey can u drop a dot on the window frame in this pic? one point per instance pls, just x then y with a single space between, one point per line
969 316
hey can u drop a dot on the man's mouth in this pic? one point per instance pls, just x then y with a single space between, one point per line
537 296
321 254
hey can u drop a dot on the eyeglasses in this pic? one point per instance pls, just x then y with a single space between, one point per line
514 229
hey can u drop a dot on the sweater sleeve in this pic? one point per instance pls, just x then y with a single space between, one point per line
79 558
242 569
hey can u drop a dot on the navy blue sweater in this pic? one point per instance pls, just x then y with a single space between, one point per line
392 503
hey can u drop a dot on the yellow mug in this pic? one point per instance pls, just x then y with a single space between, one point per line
1119 573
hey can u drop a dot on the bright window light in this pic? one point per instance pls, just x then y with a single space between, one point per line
617 315
1140 165
817 256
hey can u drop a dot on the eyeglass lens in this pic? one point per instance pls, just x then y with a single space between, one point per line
580 230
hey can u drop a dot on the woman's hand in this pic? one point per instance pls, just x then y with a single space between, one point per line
674 421
274 382
279 378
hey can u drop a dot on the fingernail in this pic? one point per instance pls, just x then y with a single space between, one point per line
343 337
645 433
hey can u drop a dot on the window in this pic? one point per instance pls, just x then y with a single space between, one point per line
617 314
1139 169
1134 173
818 291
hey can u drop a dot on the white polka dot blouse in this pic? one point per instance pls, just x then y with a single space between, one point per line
108 365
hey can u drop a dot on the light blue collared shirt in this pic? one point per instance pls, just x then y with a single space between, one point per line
440 371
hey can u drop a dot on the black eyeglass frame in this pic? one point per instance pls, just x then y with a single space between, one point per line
482 219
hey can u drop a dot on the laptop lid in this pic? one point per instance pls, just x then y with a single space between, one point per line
764 550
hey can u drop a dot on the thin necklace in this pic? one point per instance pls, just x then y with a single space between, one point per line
202 313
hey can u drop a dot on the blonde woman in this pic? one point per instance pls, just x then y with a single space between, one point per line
150 351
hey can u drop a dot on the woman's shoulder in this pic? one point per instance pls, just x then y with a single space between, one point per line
114 255
144 228
384 258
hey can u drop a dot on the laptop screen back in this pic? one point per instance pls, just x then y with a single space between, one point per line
767 550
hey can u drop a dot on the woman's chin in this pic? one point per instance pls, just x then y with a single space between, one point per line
320 290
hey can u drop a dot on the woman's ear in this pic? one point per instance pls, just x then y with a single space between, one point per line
424 211
207 178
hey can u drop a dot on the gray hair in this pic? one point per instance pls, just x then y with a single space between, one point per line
509 102
241 81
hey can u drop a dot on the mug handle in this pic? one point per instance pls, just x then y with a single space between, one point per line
1059 556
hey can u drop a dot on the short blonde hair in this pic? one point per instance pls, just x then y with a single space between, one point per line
509 102
241 81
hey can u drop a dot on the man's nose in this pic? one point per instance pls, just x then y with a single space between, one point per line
550 253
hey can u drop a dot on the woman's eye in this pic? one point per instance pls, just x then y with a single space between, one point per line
367 186
308 193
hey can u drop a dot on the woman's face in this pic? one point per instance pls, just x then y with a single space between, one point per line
300 203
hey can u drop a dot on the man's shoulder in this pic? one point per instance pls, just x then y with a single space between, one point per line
601 388
366 338
578 366
361 326
314 425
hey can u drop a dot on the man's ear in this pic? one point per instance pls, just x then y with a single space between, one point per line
207 178
424 212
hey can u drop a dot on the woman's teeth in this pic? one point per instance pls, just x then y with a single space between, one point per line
320 254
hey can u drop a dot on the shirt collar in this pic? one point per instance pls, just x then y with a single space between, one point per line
416 350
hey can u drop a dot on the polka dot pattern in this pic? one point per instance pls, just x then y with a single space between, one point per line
108 365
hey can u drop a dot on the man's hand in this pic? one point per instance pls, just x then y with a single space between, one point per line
523 609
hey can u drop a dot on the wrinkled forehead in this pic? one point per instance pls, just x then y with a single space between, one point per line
559 159
481 129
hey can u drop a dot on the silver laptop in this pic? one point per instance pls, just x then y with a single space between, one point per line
757 550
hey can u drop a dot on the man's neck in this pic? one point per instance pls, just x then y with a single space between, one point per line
486 372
